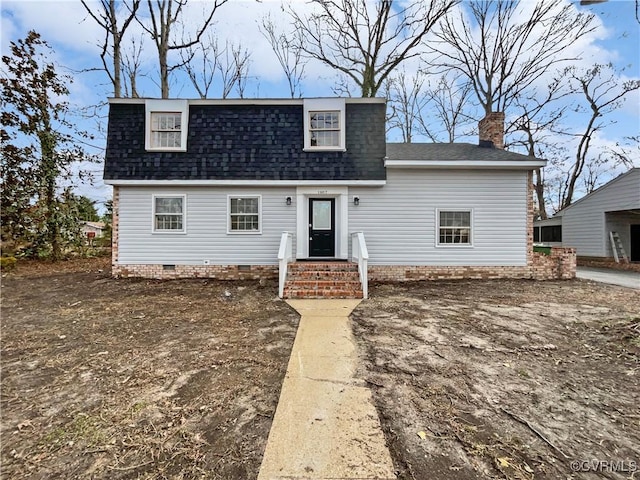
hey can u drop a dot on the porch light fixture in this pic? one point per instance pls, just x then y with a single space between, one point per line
356 201
288 200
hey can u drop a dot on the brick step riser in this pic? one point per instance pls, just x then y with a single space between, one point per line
323 280
328 288
322 294
317 267
340 276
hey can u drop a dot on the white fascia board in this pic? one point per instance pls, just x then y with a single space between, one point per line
548 222
247 183
466 164
249 101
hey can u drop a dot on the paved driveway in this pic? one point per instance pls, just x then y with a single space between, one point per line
614 277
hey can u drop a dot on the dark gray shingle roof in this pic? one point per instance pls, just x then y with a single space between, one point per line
246 142
449 151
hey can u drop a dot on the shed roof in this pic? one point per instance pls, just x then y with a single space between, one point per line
467 154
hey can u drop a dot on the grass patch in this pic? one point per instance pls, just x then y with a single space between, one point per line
83 428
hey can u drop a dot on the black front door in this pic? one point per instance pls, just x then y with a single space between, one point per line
322 227
634 255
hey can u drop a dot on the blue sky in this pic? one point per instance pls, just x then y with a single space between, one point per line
74 38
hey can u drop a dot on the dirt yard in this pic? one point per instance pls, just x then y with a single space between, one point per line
110 379
115 379
505 379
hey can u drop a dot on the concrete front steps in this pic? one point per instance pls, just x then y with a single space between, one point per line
323 280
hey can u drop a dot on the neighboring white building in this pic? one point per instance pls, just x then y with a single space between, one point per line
548 232
93 229
588 223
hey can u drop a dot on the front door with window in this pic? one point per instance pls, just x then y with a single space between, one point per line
322 227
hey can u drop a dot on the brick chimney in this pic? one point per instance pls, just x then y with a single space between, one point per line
491 130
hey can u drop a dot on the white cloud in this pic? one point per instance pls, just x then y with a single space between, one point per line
61 23
74 36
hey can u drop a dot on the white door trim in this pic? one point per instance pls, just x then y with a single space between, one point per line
341 194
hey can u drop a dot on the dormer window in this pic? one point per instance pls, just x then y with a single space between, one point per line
166 125
325 129
166 129
324 124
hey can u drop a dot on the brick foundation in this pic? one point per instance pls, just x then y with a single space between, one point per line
560 265
221 272
115 230
607 262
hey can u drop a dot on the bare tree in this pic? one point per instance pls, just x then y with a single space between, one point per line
288 53
241 59
201 64
232 65
164 15
537 117
406 99
603 92
106 15
206 63
436 112
627 151
595 2
503 47
131 62
366 41
449 102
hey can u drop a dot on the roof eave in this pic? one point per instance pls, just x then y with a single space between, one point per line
467 164
245 101
243 182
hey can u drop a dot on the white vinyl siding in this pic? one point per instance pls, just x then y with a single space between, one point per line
584 224
206 216
399 220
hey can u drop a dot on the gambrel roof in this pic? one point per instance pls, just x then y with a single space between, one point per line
246 140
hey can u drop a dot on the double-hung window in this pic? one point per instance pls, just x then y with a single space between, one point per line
324 129
454 227
169 213
324 124
244 214
167 123
166 130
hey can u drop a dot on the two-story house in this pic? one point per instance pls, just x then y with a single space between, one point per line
247 188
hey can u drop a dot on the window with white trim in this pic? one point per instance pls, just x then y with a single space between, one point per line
244 214
166 130
166 125
168 213
324 124
454 227
324 129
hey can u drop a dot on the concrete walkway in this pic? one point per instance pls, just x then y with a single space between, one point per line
325 426
613 277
